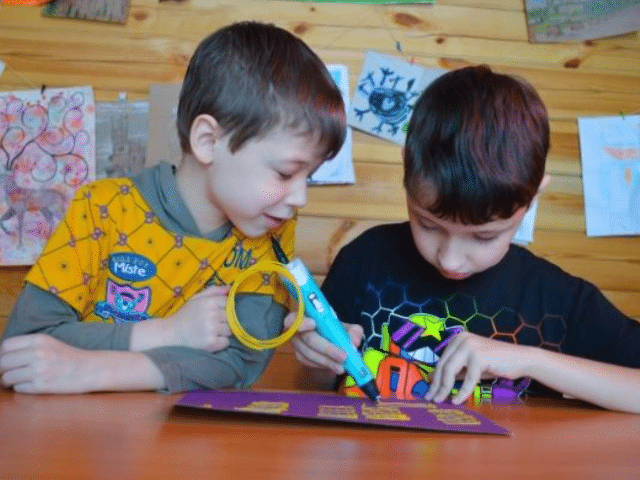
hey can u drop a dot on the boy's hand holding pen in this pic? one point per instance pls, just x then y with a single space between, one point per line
327 323
315 351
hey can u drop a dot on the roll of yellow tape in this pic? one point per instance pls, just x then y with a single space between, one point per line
232 317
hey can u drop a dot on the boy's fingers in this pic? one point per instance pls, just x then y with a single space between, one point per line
435 380
16 343
225 331
15 376
434 385
319 350
312 358
451 348
307 324
220 344
470 381
214 290
25 387
355 333
9 361
448 379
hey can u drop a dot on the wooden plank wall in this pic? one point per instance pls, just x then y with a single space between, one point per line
599 77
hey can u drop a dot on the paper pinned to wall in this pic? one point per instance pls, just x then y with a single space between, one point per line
610 152
48 152
338 170
575 20
385 94
524 234
1 67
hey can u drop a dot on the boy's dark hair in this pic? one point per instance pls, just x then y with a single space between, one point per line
480 141
252 77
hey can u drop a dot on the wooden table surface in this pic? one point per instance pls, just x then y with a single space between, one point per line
142 435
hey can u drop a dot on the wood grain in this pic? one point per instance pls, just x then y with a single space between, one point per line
143 436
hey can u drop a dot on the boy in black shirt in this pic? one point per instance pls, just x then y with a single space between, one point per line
441 290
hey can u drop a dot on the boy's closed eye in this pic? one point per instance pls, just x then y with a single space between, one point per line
486 238
427 225
285 175
287 172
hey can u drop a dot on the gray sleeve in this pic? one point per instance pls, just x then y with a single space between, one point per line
39 311
236 366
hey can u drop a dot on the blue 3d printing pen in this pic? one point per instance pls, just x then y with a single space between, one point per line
317 308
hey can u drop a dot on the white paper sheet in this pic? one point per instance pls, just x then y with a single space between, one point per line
610 151
338 170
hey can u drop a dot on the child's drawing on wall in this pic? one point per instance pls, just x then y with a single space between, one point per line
610 149
384 95
47 150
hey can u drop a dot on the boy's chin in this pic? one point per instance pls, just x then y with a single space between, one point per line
252 230
454 275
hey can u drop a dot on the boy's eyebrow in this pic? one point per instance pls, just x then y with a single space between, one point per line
489 231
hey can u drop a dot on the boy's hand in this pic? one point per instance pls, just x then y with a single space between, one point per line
474 357
39 363
317 352
202 320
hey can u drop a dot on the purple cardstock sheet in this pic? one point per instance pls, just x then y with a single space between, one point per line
418 415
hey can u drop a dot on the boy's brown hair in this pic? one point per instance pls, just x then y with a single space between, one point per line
252 77
479 140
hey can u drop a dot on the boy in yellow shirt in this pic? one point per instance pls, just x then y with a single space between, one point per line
130 291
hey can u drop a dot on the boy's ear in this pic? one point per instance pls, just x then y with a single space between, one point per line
205 133
546 179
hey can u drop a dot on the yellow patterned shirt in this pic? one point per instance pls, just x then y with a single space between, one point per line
112 260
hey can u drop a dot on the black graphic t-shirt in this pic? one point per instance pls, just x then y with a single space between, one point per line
382 282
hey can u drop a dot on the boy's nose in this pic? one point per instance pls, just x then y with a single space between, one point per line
450 254
297 196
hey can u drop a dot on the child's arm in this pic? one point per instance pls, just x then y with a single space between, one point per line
39 363
39 311
174 367
200 323
609 386
236 366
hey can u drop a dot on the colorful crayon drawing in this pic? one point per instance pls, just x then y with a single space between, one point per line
47 151
385 94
